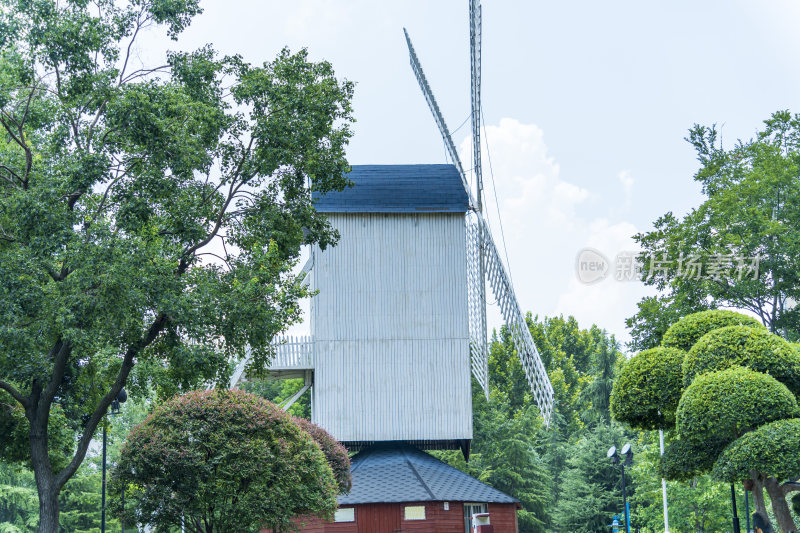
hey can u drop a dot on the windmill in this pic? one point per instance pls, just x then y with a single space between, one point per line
483 259
399 316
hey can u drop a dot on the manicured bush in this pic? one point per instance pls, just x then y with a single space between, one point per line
335 453
688 330
719 407
223 460
773 449
753 348
682 460
647 390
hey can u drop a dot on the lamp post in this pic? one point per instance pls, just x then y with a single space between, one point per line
747 509
736 527
615 459
120 399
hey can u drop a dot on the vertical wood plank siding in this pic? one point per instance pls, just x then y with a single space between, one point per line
388 518
390 329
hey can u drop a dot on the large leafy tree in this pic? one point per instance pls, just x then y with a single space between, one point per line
708 257
227 460
149 214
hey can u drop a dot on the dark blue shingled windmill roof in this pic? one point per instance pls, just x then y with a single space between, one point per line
386 473
398 189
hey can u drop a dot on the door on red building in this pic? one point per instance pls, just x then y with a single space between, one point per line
471 509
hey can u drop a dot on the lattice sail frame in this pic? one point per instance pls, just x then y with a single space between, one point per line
476 305
515 321
480 246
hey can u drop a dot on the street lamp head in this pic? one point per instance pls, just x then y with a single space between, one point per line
121 398
613 455
628 453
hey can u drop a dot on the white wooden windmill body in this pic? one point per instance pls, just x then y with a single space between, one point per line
389 322
399 317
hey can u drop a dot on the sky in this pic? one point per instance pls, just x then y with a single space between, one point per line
586 106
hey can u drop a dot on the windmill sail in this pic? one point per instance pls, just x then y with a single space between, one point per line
483 260
476 289
479 352
476 304
515 321
437 114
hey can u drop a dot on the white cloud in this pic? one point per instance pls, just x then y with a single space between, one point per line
542 215
627 181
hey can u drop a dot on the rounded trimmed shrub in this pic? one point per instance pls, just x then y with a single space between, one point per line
647 391
335 453
719 407
682 461
753 348
688 330
227 458
772 449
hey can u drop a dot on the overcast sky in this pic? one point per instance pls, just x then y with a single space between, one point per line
586 105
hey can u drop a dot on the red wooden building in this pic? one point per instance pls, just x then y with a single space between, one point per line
400 489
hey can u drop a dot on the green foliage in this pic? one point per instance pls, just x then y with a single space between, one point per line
335 454
684 333
228 460
19 504
14 429
684 459
699 504
511 448
751 210
648 389
149 217
772 449
656 314
279 390
591 485
753 348
719 407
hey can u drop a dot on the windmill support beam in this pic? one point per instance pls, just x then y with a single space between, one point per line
308 382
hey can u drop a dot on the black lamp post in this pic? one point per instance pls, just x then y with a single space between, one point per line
120 399
747 509
615 459
736 527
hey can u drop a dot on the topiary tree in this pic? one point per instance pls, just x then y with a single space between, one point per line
773 451
684 333
719 407
754 348
720 417
647 390
336 454
736 378
223 460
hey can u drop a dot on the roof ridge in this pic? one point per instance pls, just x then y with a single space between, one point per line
419 477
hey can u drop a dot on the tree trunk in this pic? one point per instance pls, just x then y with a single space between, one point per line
758 495
46 485
779 506
48 509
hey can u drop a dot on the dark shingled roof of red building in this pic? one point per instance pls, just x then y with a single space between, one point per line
389 472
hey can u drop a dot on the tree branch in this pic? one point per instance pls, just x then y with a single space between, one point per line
790 486
232 190
133 350
60 353
9 388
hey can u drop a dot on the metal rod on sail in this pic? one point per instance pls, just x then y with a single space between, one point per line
437 115
475 94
